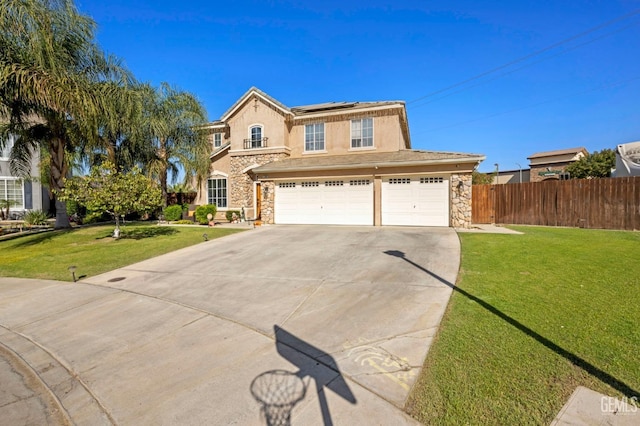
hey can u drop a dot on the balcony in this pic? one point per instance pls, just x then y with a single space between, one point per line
255 143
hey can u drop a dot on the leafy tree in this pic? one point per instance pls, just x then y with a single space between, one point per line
49 67
118 194
595 165
171 120
478 178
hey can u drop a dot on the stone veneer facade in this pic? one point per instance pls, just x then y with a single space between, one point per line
554 171
241 188
460 201
268 201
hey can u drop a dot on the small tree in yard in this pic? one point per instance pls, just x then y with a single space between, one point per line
478 178
107 190
596 165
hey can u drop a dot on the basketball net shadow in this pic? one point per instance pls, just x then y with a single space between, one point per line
278 391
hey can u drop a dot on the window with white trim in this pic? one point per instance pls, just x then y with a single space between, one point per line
362 133
314 137
217 140
12 190
217 192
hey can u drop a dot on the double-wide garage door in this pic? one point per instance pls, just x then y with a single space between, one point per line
409 201
326 202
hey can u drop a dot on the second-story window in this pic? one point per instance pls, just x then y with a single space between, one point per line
217 140
314 137
5 152
362 133
256 136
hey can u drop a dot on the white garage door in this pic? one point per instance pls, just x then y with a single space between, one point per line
327 202
415 201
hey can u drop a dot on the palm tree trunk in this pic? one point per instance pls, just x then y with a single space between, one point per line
163 186
58 172
162 154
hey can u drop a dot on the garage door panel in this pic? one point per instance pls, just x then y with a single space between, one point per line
415 201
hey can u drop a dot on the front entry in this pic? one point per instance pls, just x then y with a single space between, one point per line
258 200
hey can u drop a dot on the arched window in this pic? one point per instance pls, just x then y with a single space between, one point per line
256 136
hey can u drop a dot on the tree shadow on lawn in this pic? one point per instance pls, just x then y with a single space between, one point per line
147 232
591 369
27 239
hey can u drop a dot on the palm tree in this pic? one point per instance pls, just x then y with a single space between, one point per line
49 70
172 118
119 138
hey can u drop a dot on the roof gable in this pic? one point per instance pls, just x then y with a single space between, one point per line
249 94
567 151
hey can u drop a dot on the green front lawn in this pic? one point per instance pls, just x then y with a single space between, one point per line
48 255
535 316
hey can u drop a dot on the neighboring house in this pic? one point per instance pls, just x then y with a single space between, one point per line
346 163
26 195
512 176
553 164
627 160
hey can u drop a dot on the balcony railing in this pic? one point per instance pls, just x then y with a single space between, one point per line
255 143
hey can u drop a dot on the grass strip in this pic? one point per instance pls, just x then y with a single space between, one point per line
93 251
534 316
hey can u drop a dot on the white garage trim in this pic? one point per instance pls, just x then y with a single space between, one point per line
335 201
415 200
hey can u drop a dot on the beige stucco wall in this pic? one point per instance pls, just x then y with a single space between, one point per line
387 136
371 171
257 113
220 166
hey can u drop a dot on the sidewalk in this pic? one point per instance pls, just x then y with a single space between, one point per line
24 399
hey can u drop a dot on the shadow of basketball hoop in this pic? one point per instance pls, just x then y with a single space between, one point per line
278 391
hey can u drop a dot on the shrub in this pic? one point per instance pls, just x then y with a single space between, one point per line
95 217
173 212
203 211
35 217
229 215
183 222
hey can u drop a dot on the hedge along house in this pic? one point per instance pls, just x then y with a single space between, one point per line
338 163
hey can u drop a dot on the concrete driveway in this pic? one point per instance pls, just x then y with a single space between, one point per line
335 321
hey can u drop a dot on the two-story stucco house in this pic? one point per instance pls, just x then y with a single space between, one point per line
342 163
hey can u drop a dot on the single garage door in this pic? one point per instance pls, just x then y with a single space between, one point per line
415 201
326 202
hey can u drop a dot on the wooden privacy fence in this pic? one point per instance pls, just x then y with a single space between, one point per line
609 203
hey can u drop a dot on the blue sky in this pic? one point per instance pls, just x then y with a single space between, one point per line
582 92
